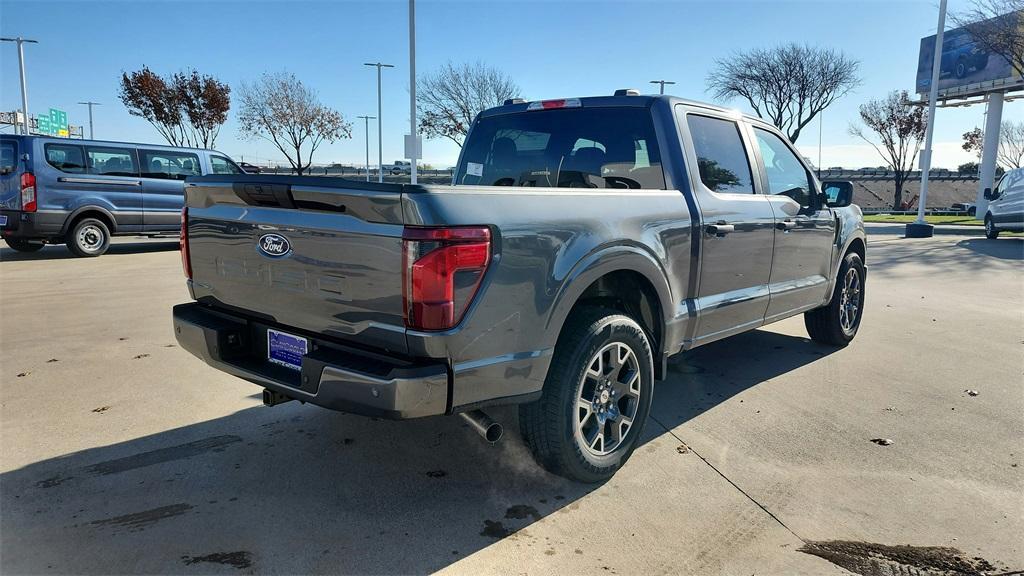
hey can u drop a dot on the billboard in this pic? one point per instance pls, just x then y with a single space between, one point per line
967 67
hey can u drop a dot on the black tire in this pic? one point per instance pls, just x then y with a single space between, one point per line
829 324
991 232
973 210
24 245
88 237
549 426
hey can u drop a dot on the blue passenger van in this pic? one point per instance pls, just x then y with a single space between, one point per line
82 192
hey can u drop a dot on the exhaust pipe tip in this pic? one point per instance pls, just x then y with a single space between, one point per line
483 425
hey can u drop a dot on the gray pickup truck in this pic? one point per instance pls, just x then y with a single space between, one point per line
583 242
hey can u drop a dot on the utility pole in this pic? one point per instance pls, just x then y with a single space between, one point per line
380 124
366 126
919 228
21 69
662 83
90 105
414 153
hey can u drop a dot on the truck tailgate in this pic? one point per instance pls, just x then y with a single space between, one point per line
316 255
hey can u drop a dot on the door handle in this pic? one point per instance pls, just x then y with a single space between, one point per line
785 225
720 229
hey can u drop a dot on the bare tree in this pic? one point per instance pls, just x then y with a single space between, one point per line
900 126
998 26
1011 145
787 85
282 110
186 109
448 99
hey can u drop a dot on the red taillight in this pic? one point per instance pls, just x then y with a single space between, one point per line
28 192
442 270
186 260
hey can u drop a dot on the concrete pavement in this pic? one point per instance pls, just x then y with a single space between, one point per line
122 453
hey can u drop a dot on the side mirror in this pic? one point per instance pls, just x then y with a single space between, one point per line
838 194
989 194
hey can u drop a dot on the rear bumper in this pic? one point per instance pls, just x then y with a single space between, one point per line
333 376
32 225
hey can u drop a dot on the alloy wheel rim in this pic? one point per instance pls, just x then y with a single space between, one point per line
607 399
849 301
90 238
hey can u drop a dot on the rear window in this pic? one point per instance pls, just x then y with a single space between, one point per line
168 165
8 156
565 148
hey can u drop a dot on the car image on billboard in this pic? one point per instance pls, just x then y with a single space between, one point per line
965 62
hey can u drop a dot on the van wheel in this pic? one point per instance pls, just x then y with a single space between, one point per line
24 245
88 237
838 322
596 397
991 232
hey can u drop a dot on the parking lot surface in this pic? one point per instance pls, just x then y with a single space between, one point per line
122 453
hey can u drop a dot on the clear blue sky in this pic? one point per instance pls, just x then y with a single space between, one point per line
553 49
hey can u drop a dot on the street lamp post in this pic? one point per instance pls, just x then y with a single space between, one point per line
366 126
21 69
90 105
919 228
380 125
662 83
412 91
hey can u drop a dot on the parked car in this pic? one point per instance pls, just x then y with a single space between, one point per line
585 241
1006 205
82 192
398 168
249 168
969 207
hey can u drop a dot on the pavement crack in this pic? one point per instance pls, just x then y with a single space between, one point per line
730 481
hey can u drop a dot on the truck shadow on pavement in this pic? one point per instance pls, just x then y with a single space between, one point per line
60 252
298 489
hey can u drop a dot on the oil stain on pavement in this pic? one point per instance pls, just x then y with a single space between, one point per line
140 520
239 560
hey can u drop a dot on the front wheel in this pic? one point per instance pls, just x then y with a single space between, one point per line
88 237
991 232
596 397
837 323
23 245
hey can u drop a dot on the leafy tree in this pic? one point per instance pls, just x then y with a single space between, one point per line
282 110
974 142
187 109
1010 153
900 128
448 99
968 168
787 85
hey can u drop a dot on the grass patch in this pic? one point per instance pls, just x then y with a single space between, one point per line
936 220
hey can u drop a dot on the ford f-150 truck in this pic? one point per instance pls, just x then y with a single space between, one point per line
582 243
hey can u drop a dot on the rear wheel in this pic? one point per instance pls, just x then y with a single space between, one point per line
991 232
23 245
837 323
596 397
88 237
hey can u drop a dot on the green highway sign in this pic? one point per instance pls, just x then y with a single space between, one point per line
44 126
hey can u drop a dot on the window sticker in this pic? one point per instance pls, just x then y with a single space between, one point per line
474 169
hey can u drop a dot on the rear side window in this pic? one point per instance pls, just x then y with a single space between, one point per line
65 158
721 159
564 148
8 156
168 165
111 161
222 165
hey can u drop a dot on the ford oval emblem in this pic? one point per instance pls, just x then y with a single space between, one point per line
274 246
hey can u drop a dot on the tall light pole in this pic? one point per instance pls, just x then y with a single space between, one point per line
414 160
662 84
366 126
21 69
380 125
90 105
919 228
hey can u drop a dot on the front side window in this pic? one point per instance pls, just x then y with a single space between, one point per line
111 161
721 158
65 158
222 165
168 165
786 174
564 148
8 156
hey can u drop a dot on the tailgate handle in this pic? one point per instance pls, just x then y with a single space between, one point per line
264 194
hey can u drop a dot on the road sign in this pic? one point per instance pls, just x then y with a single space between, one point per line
59 120
44 125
